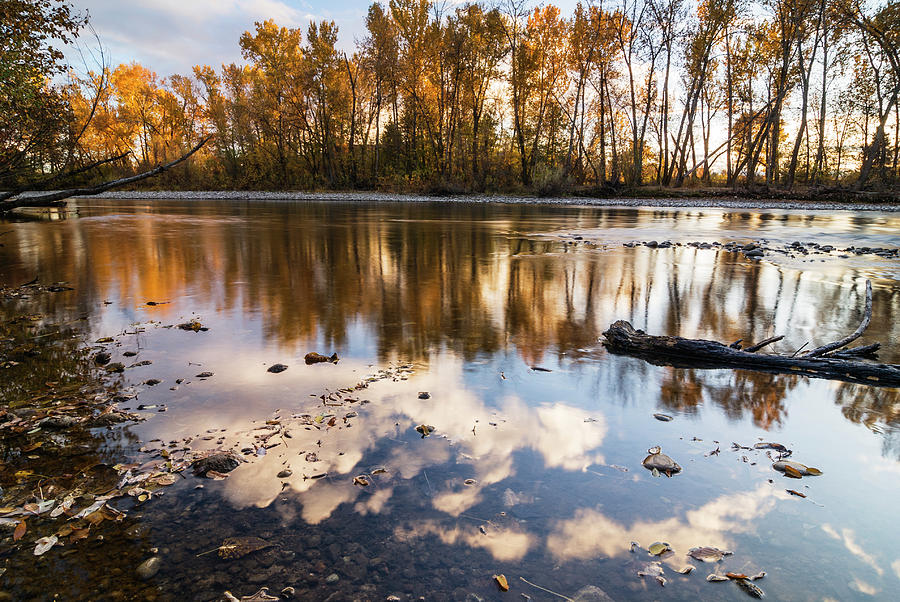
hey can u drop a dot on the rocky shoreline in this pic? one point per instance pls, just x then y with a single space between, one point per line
674 202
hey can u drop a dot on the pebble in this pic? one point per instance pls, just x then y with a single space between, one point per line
149 568
276 368
332 578
285 473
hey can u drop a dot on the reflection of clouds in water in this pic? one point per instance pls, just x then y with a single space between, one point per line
590 534
848 538
503 543
896 566
863 587
554 430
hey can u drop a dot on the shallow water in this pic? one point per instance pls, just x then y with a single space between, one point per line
473 297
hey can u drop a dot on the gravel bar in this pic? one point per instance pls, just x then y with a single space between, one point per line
710 202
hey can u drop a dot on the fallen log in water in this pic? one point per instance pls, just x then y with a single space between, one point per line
623 338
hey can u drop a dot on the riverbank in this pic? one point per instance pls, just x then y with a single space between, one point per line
675 202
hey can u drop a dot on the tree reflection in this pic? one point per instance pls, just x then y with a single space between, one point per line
476 279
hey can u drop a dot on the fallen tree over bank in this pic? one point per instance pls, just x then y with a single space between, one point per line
58 197
829 361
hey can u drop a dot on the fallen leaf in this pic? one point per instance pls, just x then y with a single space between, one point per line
736 576
758 575
687 569
238 547
750 589
663 417
708 554
44 544
166 479
424 430
20 530
502 583
658 548
790 471
797 493
716 578
362 480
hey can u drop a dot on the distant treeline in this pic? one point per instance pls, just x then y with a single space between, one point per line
772 93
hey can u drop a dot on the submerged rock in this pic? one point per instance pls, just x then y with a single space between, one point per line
218 462
591 593
276 368
149 568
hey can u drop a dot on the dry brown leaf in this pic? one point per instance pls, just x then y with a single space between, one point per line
797 493
502 583
20 530
792 472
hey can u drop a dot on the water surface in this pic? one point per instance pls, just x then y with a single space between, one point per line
473 298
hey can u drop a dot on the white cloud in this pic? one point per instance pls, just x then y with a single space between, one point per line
171 36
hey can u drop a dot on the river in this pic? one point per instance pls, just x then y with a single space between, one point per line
483 321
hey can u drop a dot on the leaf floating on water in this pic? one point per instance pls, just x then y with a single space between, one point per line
736 576
750 589
238 547
769 445
658 548
790 471
167 479
714 577
795 469
469 482
708 554
655 570
424 430
663 417
687 570
362 480
44 544
797 493
501 582
541 369
758 575
654 450
20 530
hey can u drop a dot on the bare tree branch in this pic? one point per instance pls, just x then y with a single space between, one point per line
56 198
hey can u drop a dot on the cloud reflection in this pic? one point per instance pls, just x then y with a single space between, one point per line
554 430
591 534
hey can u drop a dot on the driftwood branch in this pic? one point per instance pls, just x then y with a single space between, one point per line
867 317
621 337
862 351
763 343
57 198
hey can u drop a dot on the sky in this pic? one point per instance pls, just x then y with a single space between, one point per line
171 36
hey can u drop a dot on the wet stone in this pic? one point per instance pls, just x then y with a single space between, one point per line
332 578
276 368
149 568
219 462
